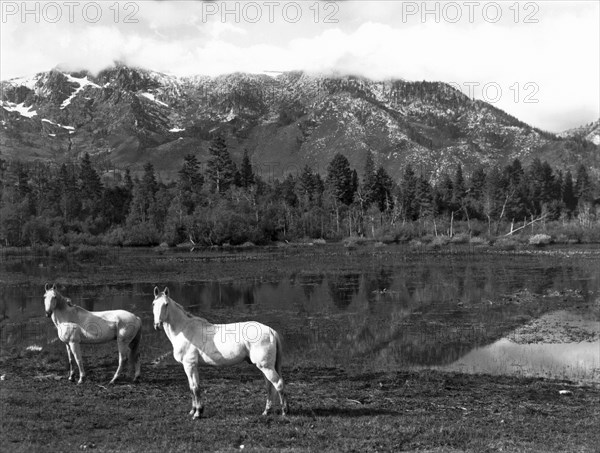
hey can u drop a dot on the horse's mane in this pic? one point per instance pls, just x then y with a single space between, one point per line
185 312
64 299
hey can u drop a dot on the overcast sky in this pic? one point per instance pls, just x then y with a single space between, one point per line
539 61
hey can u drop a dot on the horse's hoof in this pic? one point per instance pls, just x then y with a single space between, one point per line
71 378
193 411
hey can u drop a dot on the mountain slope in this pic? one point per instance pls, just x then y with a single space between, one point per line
127 116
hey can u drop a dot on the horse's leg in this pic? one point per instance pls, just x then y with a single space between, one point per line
270 390
278 384
134 354
76 349
191 370
123 354
71 369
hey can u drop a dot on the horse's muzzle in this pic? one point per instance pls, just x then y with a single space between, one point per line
48 314
158 325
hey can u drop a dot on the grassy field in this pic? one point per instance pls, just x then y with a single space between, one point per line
331 410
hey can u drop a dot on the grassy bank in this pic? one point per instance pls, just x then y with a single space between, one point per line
331 410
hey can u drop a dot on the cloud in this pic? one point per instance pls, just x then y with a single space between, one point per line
372 39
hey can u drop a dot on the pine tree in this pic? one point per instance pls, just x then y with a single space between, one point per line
368 181
444 199
306 186
476 191
90 187
339 179
568 193
190 177
517 188
144 197
458 190
424 197
220 169
246 172
408 191
354 182
583 187
287 191
382 190
190 183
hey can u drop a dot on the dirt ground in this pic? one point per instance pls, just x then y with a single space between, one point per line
330 410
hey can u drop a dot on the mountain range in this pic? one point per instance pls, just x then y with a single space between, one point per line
126 116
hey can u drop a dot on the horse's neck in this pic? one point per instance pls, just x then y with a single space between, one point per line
63 312
177 320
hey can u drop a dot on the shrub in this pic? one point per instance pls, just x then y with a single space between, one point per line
115 237
591 235
142 234
539 239
439 241
461 238
354 241
506 243
478 241
89 253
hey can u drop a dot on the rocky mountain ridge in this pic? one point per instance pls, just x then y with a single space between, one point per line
127 116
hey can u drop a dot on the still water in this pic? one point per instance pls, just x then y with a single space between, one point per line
467 312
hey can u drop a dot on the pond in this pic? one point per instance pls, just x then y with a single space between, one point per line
531 313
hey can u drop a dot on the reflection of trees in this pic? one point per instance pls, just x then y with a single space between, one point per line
342 288
87 303
381 280
248 296
546 280
309 282
222 294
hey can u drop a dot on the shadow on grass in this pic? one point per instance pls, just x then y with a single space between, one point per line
346 412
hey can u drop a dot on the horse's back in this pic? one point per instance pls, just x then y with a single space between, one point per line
126 324
118 316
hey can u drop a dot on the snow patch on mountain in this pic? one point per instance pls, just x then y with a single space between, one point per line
19 108
28 82
82 82
153 98
71 129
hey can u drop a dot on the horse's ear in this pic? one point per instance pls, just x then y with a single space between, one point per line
156 291
166 291
46 287
54 286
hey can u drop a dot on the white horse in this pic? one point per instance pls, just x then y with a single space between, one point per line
196 341
76 325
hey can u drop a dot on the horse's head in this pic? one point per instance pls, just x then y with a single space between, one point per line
159 306
50 299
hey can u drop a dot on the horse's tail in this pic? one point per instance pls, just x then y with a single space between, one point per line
278 352
134 346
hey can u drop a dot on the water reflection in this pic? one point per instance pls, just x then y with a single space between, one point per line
560 344
388 314
342 288
579 361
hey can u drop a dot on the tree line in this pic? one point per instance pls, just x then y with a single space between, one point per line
230 203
